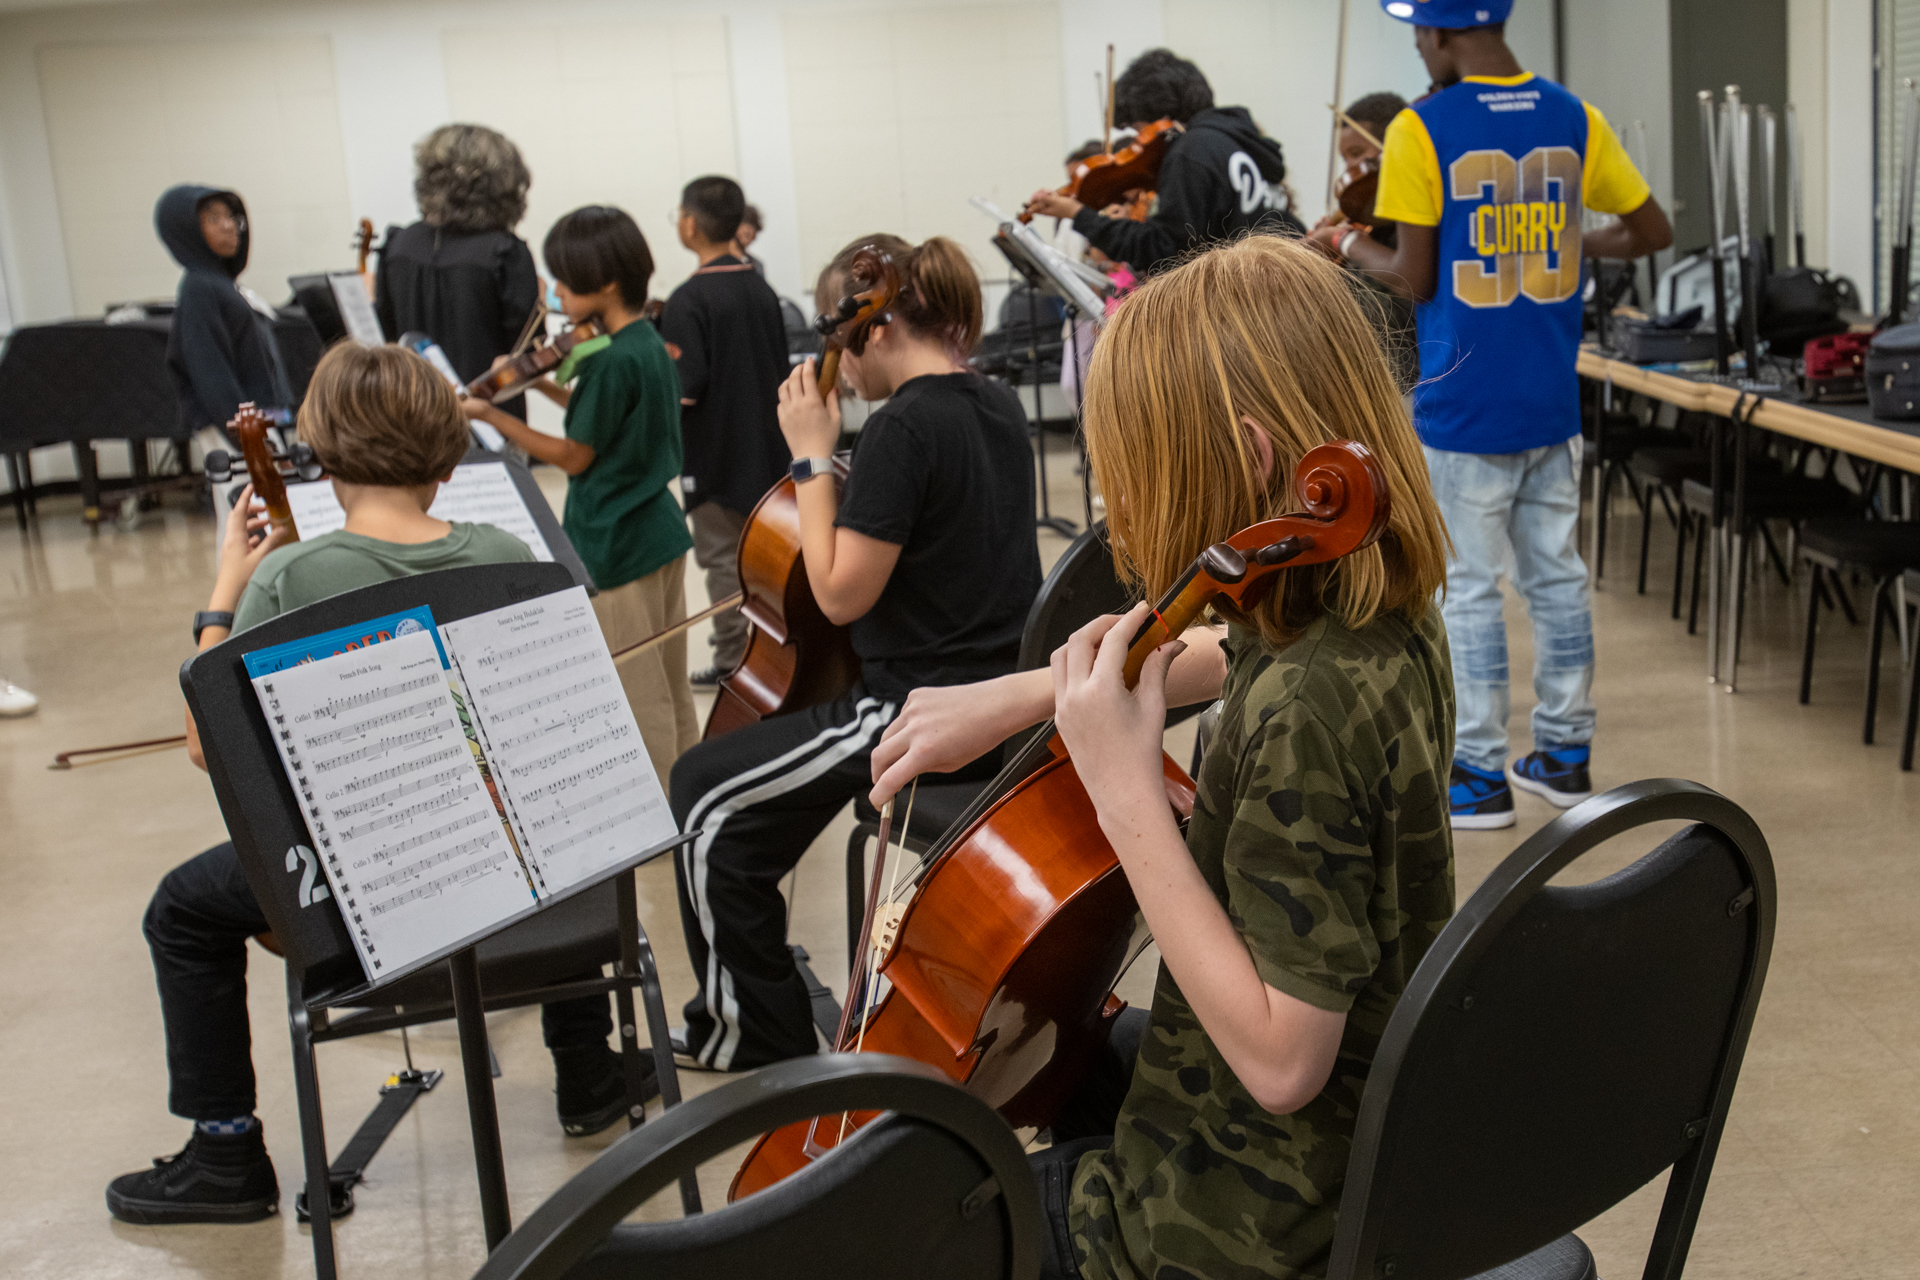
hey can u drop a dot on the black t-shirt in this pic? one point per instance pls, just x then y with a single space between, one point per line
944 472
729 342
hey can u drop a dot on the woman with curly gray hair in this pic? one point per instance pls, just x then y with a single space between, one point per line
460 274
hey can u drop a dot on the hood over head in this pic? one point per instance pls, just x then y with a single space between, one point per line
1237 123
176 217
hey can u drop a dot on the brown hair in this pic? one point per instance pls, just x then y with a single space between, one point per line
939 289
382 415
1263 329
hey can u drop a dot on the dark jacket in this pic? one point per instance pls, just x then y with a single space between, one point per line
470 291
1220 176
220 350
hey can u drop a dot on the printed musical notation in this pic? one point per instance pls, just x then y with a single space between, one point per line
552 721
479 493
412 844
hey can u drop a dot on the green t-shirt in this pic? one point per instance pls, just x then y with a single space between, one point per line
621 513
305 572
1321 825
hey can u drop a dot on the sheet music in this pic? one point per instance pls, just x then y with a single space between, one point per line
479 493
400 812
555 723
356 308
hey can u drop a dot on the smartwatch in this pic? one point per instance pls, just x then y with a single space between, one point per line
210 618
805 469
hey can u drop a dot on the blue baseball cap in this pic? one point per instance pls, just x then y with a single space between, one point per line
1448 13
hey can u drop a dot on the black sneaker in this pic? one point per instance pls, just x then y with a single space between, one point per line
591 1085
1557 775
1479 801
705 678
215 1178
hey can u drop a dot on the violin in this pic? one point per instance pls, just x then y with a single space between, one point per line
529 366
1003 954
1101 180
1355 189
363 247
262 464
795 658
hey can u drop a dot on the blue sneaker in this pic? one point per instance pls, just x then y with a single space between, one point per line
1479 801
1557 775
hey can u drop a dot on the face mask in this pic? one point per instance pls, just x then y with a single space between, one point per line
553 299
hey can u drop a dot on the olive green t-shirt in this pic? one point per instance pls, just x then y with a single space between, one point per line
1321 825
621 512
305 572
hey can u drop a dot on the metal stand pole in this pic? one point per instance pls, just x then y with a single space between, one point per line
489 1164
1059 524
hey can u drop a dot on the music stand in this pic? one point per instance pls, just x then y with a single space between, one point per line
1046 271
324 972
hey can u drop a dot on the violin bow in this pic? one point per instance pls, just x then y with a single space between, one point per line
1106 135
64 760
1339 88
669 632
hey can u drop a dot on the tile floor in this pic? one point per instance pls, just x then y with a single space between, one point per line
1819 1174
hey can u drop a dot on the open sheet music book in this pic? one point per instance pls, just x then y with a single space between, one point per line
479 493
454 777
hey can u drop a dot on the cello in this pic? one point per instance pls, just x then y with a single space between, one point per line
1002 957
794 657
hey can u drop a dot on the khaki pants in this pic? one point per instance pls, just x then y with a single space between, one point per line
655 681
716 548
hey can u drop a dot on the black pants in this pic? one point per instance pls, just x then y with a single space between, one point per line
1086 1124
197 926
758 797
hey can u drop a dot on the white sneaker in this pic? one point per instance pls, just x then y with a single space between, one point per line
15 701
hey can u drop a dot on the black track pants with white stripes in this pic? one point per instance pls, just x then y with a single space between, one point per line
757 798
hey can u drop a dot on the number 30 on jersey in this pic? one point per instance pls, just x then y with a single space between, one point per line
1525 226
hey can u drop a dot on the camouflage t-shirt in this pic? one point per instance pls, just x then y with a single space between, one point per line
1321 825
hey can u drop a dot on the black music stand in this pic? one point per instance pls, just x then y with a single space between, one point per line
324 972
1041 279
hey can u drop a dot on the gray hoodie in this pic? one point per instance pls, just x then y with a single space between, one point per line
221 351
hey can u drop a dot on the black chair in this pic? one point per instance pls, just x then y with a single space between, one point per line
937 1189
1772 495
1663 472
327 995
1560 1046
1885 551
1081 587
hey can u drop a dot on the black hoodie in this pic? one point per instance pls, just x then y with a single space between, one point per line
1220 176
221 351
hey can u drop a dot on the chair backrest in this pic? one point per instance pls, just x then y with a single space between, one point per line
1559 1046
938 1188
1081 587
261 810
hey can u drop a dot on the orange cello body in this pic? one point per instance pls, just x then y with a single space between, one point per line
1002 966
1004 969
795 658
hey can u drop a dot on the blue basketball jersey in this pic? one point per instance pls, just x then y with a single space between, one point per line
1503 167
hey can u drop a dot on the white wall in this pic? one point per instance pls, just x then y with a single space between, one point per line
1849 144
1619 58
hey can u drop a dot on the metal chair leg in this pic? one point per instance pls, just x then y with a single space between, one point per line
1646 537
1681 525
1880 609
1912 720
313 1133
1813 625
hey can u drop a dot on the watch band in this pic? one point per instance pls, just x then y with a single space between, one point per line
805 469
210 618
1346 242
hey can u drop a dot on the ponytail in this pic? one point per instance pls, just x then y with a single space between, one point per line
939 293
